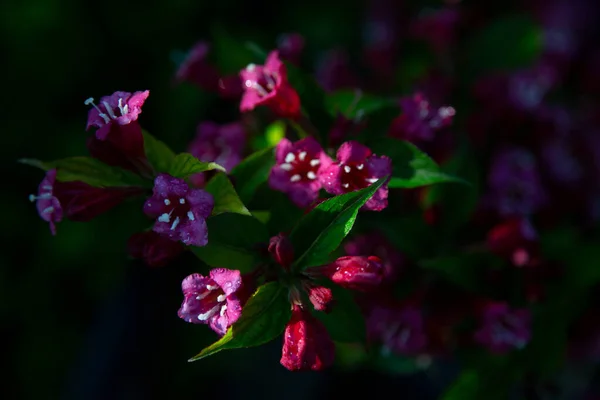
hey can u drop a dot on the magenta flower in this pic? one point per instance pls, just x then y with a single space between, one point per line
502 329
377 244
306 343
418 121
297 169
355 272
291 46
47 204
357 168
118 109
212 300
196 68
268 85
514 183
154 249
180 211
401 330
320 296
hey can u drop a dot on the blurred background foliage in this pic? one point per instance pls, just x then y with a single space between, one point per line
82 320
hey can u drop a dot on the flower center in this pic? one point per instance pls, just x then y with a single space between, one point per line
301 167
264 82
212 300
176 211
110 113
355 176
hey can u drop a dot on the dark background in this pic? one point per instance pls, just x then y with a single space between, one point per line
79 319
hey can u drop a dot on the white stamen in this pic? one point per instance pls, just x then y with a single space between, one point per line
122 108
182 201
164 217
295 178
256 86
90 101
175 223
211 287
190 216
286 166
360 166
302 155
221 298
315 162
209 313
167 202
270 81
109 110
250 67
290 157
346 185
203 295
347 169
47 187
371 180
48 210
43 196
223 309
32 198
311 175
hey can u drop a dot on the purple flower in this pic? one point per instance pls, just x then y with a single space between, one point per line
297 169
268 85
222 144
120 108
560 161
528 87
514 183
399 329
180 211
290 46
212 300
357 168
502 329
47 204
196 68
418 121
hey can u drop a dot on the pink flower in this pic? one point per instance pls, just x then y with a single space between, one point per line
306 343
268 85
180 211
401 330
281 250
118 141
76 200
212 300
291 46
320 296
355 272
154 249
516 240
418 121
357 168
297 169
502 329
377 244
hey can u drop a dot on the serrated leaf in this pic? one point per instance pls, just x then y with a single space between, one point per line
322 230
226 198
345 323
252 172
263 318
411 167
185 164
233 242
158 153
89 170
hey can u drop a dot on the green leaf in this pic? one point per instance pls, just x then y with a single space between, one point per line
322 230
411 167
252 172
353 103
185 164
226 198
158 153
90 171
233 242
263 318
345 323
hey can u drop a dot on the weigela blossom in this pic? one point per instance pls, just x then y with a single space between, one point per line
196 68
297 169
419 121
180 211
76 200
355 272
357 168
400 329
156 250
268 85
374 243
118 109
306 343
320 296
212 300
502 329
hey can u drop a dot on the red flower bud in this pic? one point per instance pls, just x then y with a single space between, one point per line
281 250
320 297
356 272
306 343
